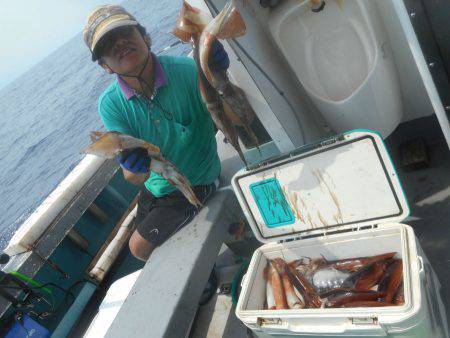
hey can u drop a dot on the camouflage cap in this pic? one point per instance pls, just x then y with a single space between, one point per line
102 20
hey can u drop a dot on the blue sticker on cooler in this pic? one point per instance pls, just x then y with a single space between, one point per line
272 203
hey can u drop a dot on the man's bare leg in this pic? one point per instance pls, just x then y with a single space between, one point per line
140 247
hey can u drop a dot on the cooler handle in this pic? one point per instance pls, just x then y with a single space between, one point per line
285 326
360 326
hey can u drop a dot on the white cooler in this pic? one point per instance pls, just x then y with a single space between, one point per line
340 198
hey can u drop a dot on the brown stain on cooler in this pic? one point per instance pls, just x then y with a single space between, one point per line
336 218
293 198
286 196
321 180
309 217
303 203
313 225
322 219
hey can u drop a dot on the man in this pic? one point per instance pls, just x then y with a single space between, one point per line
156 99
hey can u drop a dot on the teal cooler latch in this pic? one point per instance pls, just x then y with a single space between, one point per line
272 203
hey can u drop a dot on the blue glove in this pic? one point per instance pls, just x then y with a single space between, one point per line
218 58
135 160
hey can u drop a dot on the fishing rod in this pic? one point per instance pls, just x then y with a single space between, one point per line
168 47
52 264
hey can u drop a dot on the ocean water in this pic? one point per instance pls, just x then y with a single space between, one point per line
48 112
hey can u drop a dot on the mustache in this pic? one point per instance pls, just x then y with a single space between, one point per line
120 51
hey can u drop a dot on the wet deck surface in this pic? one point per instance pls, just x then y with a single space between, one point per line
428 194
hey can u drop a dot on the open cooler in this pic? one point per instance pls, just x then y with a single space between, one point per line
339 198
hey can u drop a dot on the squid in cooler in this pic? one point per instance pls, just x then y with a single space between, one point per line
303 286
328 278
370 281
293 301
326 274
354 264
270 300
366 277
110 144
342 298
276 283
307 266
392 280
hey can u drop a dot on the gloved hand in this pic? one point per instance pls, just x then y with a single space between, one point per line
135 160
218 58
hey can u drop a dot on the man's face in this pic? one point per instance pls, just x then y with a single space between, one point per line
124 50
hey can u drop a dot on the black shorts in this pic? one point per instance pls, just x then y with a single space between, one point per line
159 218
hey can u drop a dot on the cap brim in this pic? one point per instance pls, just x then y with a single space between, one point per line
104 30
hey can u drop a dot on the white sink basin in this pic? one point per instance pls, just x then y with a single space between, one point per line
341 56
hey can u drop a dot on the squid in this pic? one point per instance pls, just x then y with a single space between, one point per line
366 277
306 290
277 288
110 144
228 24
293 301
354 264
395 278
307 266
343 298
226 102
270 300
328 278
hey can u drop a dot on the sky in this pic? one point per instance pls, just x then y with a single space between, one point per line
32 29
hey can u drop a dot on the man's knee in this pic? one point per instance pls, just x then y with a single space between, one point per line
140 247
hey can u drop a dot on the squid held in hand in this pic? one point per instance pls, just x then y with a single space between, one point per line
227 103
110 144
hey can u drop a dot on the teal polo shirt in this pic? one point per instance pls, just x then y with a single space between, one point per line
175 119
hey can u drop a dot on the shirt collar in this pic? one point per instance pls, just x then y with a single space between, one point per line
160 79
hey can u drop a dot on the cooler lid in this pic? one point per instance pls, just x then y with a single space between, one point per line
340 183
